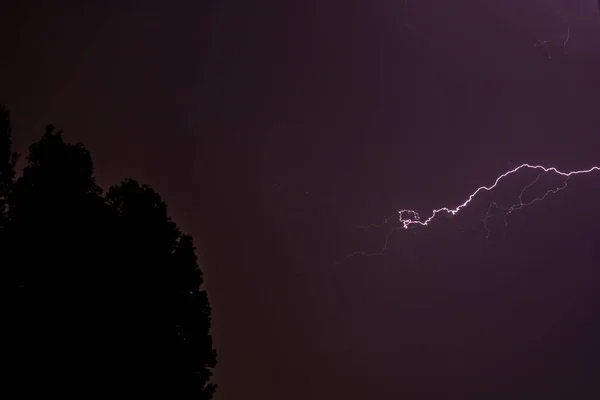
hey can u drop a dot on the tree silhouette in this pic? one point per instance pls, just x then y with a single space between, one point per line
188 302
7 162
109 292
171 309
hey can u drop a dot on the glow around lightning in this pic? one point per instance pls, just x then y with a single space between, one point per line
410 218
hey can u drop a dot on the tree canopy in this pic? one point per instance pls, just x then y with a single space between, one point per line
7 159
107 292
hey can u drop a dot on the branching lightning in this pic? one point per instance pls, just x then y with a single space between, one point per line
517 206
567 37
376 253
407 219
411 219
547 44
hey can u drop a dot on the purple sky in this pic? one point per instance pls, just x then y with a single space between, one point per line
273 129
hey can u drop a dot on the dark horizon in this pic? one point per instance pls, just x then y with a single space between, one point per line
274 131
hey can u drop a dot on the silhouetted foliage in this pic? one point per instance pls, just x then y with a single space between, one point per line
109 296
7 162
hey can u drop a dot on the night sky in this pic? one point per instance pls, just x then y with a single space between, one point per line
274 129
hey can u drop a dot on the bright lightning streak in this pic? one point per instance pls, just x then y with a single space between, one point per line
409 218
412 219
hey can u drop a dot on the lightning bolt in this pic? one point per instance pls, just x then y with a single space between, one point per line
381 251
517 206
409 218
546 44
567 38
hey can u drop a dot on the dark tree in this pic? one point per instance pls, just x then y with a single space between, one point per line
8 277
7 162
55 213
57 223
189 301
109 295
163 283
